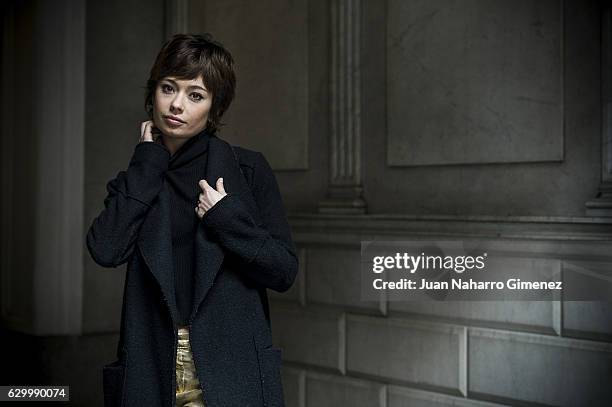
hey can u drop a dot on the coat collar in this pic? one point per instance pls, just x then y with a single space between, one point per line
154 239
191 150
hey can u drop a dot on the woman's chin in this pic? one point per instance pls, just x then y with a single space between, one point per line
174 133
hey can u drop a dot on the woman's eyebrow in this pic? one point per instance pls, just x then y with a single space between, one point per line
188 87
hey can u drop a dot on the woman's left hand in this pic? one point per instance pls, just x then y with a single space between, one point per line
209 196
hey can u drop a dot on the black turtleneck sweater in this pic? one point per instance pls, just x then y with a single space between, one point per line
186 168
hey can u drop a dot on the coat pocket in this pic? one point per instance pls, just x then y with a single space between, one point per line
270 360
113 376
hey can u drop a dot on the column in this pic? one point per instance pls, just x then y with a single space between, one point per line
344 193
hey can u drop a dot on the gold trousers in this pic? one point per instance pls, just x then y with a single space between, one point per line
188 391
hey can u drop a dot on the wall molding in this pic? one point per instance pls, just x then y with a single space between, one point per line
601 205
349 230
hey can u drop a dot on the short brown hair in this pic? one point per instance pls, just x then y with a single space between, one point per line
187 56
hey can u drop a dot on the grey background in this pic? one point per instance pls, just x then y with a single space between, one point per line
473 119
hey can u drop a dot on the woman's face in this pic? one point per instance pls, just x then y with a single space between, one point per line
185 100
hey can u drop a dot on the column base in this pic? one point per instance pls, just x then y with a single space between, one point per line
601 206
343 206
344 200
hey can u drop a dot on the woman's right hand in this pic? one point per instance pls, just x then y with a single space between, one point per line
150 133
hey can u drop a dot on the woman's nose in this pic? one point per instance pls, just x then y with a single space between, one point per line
176 106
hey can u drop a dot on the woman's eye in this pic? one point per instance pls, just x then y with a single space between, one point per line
197 97
166 88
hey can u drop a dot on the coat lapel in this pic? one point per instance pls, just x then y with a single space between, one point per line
154 238
209 254
155 242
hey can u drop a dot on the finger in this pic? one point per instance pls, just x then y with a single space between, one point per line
142 130
203 184
147 132
220 186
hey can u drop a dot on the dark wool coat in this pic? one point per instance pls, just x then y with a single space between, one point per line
243 246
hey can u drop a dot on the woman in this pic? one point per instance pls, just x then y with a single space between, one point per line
195 327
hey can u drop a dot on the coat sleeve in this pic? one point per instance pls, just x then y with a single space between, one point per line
112 234
268 251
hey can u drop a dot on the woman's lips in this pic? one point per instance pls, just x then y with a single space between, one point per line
172 122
